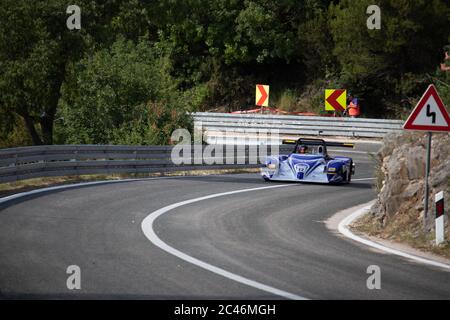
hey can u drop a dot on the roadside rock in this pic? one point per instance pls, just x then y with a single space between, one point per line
415 162
402 163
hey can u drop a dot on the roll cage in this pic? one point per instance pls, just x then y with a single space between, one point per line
317 142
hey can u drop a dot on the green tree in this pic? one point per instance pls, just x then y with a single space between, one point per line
125 94
36 48
387 66
233 44
132 57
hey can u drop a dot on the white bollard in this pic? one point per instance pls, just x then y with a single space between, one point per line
439 221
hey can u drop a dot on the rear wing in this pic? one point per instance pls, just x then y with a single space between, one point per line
318 142
287 141
340 144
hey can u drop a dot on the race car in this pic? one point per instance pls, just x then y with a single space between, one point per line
309 162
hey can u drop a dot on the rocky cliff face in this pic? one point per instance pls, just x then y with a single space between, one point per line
399 206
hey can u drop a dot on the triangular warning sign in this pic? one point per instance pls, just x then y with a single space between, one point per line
429 114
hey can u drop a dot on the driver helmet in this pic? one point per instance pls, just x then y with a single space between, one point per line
302 149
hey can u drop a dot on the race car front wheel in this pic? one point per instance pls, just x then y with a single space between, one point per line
349 172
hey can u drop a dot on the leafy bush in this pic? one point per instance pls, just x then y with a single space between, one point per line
125 94
13 133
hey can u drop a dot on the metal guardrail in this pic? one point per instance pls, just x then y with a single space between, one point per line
216 124
61 160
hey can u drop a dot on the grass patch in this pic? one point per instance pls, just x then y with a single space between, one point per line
309 99
287 101
406 229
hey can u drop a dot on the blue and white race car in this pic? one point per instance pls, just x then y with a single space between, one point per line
309 162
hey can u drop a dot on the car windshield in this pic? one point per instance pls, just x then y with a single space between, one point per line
304 149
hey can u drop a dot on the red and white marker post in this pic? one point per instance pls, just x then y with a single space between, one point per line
439 220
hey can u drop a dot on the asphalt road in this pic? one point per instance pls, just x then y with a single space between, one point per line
276 237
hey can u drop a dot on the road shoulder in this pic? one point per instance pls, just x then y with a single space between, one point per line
341 222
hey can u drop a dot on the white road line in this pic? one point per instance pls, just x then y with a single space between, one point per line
344 229
147 228
82 184
41 190
363 179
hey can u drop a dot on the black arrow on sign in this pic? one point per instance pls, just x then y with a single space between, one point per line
431 114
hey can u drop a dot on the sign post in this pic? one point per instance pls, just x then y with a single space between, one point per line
427 174
439 220
429 115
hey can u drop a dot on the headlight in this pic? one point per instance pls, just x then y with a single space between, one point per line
272 166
